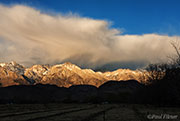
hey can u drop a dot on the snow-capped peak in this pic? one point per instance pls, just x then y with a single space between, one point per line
13 66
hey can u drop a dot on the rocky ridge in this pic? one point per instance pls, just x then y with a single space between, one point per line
63 75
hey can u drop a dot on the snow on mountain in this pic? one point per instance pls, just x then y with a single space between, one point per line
66 74
14 67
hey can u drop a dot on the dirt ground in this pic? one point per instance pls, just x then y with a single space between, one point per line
87 112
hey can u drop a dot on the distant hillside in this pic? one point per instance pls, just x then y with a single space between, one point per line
69 83
63 75
112 91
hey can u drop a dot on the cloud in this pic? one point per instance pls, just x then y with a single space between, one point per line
29 36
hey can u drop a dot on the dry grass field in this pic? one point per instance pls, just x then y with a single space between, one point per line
87 112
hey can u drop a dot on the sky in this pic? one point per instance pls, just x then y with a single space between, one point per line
132 16
89 33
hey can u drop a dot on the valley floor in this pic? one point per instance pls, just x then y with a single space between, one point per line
87 112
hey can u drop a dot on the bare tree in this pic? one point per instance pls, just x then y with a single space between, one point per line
175 60
159 70
156 72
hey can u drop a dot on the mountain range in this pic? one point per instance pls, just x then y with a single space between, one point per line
63 75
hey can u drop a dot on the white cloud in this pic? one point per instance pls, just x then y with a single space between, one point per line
30 37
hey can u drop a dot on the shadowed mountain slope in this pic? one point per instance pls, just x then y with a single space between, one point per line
78 93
